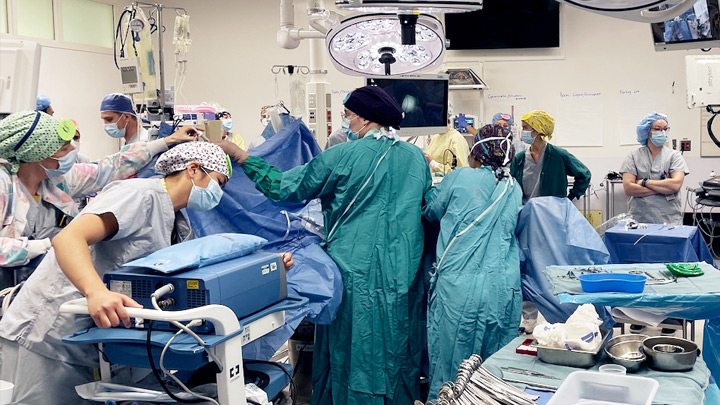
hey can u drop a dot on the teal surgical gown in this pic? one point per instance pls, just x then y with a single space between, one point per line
370 354
474 302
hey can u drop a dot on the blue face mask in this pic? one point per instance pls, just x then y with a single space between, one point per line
351 135
659 138
64 164
527 137
227 124
113 130
205 199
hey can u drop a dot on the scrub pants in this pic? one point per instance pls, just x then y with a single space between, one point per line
39 379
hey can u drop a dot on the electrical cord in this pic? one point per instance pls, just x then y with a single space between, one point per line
293 392
156 372
166 289
177 380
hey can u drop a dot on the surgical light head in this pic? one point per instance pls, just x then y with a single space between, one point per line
379 44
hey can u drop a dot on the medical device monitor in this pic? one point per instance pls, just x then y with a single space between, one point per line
697 28
423 98
506 24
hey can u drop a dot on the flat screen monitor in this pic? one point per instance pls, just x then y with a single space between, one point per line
19 73
506 24
697 28
423 98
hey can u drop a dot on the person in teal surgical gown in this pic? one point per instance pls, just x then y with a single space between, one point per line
371 190
474 302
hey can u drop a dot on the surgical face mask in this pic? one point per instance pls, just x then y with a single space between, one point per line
527 137
113 130
227 124
205 199
64 164
351 135
659 138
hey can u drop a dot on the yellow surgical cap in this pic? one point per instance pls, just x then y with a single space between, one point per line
540 121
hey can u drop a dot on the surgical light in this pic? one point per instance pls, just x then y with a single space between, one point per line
409 7
648 11
373 45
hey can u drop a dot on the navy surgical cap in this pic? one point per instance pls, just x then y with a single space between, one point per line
42 102
375 105
117 102
643 128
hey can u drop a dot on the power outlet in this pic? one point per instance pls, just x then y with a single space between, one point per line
685 145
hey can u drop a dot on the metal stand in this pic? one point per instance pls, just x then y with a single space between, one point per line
610 198
585 199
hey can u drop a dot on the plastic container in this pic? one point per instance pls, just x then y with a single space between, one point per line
6 392
589 387
612 369
612 282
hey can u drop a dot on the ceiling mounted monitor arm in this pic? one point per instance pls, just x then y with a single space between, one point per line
289 36
635 10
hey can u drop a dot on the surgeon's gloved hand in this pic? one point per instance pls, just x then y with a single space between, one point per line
462 121
288 260
184 134
38 247
107 308
235 152
428 158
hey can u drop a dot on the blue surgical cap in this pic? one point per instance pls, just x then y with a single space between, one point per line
643 128
502 116
117 102
42 103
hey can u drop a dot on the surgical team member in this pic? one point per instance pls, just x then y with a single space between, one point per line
338 136
39 179
543 170
227 124
121 122
653 174
474 300
128 220
43 104
443 147
371 189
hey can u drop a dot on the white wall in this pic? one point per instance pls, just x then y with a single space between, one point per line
76 81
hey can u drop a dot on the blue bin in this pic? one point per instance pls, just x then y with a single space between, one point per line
612 282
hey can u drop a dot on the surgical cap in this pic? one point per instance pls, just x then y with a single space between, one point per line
30 136
42 102
502 116
207 155
117 102
540 121
493 153
375 105
643 128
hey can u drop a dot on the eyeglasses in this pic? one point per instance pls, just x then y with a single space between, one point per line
657 129
346 115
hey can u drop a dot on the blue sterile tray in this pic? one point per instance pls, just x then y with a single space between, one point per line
128 346
612 282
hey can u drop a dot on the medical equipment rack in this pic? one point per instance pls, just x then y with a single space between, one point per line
230 335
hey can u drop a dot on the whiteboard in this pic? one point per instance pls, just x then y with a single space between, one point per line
579 118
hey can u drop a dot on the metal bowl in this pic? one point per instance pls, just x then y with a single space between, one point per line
625 350
668 358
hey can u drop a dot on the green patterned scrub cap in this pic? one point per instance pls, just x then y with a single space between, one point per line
31 136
